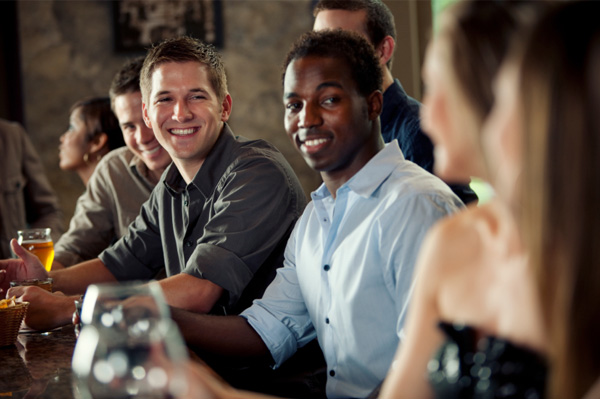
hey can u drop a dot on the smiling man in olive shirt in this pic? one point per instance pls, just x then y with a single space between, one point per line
219 219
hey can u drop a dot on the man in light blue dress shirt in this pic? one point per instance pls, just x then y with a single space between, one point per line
348 270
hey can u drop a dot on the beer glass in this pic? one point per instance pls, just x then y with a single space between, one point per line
45 283
39 243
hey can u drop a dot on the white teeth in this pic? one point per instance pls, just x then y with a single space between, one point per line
314 142
152 151
182 132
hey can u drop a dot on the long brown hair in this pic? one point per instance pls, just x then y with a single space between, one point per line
560 94
477 36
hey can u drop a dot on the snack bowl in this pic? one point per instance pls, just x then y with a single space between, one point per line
10 322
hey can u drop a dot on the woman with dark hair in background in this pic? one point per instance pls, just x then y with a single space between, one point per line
93 132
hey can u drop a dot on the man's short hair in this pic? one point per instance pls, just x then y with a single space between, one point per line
356 52
184 49
379 18
127 79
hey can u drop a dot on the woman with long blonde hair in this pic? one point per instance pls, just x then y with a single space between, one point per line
559 90
528 309
474 328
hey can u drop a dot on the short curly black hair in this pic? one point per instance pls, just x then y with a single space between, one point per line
348 46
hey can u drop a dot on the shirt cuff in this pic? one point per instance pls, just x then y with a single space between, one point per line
277 337
221 267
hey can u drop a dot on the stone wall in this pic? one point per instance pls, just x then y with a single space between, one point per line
67 54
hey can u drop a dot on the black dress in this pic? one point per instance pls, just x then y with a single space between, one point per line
465 367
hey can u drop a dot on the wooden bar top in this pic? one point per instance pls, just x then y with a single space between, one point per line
38 365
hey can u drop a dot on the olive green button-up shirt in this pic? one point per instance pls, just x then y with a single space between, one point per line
112 200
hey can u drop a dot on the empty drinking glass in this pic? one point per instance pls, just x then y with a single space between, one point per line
128 346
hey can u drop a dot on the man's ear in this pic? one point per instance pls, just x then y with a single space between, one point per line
145 116
385 50
375 104
226 108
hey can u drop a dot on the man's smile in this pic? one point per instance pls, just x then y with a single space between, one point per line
183 132
312 145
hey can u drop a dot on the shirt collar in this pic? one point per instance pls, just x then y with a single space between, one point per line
214 166
138 166
372 175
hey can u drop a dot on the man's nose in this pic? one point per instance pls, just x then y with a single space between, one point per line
181 111
309 117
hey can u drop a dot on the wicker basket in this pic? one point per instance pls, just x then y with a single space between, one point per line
10 322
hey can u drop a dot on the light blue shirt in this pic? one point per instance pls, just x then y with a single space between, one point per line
348 268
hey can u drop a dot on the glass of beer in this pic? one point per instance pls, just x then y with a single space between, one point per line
45 284
39 243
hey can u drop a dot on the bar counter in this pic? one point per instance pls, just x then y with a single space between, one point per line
38 365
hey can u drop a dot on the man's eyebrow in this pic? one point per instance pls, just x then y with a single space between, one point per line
195 90
161 93
329 84
199 90
319 87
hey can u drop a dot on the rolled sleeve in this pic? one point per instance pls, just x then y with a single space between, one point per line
277 337
219 266
281 317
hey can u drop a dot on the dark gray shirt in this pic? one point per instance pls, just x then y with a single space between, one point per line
229 225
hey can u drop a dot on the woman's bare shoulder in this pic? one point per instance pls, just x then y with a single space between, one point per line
463 238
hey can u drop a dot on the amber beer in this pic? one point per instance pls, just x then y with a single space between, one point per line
39 243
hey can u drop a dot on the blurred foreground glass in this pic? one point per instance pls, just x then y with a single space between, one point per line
120 306
128 346
39 242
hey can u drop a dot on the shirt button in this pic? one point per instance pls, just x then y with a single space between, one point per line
326 268
327 320
332 373
188 244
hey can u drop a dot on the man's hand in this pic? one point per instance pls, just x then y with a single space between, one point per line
28 266
46 310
